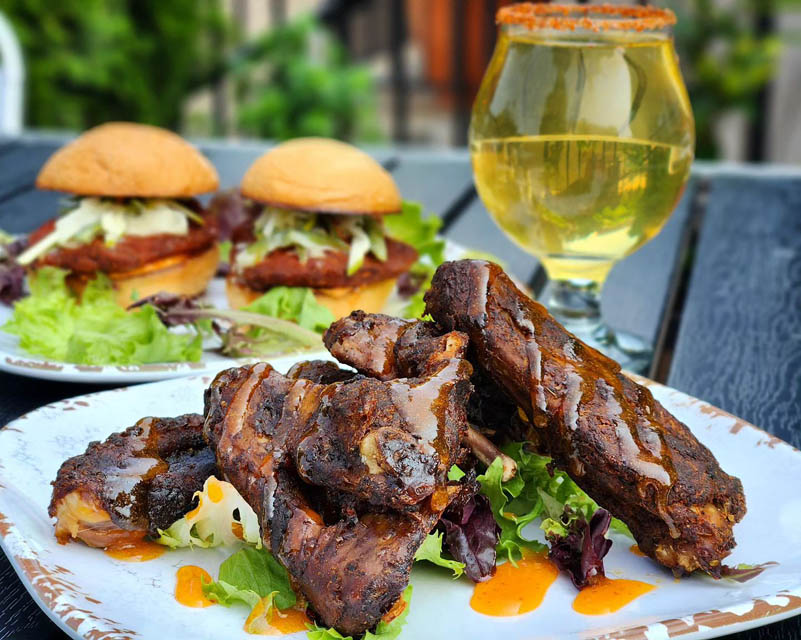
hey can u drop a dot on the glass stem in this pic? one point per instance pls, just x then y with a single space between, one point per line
577 305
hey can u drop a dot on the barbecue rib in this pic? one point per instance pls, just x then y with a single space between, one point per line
387 442
133 483
386 348
618 443
354 568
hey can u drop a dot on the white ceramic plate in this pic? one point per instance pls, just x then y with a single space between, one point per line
90 595
15 360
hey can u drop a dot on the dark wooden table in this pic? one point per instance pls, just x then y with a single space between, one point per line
718 292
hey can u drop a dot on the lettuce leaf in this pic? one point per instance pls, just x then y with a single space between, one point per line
52 323
317 632
455 473
294 303
227 594
222 517
411 227
581 550
383 631
431 551
472 534
12 274
225 251
248 576
537 491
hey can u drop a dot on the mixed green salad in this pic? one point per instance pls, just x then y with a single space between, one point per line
52 322
499 516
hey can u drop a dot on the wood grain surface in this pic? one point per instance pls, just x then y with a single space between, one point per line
739 341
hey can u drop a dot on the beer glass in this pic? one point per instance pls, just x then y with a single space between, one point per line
581 141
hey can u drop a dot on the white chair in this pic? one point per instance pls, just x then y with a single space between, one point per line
12 80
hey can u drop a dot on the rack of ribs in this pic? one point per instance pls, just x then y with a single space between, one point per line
133 483
347 473
607 432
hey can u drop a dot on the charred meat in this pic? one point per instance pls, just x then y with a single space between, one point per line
353 567
387 348
389 443
614 439
133 483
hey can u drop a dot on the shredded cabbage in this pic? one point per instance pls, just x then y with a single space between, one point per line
311 235
222 517
96 216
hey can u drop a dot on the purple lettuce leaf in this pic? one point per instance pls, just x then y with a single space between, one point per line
15 247
12 282
12 274
580 553
471 532
410 283
744 572
231 211
173 310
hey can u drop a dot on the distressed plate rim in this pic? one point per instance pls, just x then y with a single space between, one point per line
750 612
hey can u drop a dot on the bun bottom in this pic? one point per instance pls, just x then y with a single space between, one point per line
370 298
182 275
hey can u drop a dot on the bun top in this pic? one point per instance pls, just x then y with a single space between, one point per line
126 159
322 175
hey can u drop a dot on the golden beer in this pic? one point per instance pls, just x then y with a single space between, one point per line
581 143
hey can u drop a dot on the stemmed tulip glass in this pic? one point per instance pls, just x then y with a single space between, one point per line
581 140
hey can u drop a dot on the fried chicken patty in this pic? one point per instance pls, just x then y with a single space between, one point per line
129 254
284 267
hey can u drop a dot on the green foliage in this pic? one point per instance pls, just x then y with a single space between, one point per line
51 323
431 550
249 575
536 491
725 62
296 81
90 61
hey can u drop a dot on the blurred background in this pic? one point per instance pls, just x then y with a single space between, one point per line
368 71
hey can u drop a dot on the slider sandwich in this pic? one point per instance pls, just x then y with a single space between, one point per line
316 213
133 214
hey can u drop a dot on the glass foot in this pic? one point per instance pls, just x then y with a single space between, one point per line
630 351
577 305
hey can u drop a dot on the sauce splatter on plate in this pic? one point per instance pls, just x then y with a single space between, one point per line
513 591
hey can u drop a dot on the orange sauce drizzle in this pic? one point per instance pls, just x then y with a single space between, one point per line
237 530
215 494
637 551
279 623
135 551
513 591
290 621
189 586
608 596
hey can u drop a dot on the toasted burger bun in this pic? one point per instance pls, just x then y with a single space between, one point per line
370 298
322 175
186 275
122 159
